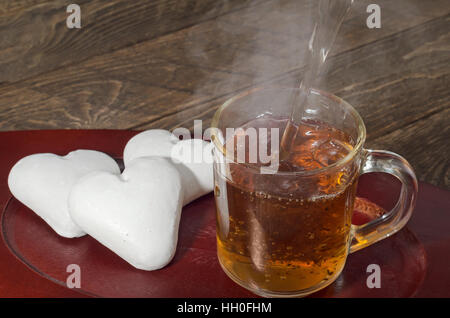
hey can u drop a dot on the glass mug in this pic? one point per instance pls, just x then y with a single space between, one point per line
287 233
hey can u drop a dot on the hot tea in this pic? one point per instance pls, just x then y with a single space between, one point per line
283 233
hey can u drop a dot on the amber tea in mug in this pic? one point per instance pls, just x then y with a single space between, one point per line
288 233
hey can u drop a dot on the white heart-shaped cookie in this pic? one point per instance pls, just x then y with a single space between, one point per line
43 181
192 158
136 214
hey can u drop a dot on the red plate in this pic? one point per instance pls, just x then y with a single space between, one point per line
195 272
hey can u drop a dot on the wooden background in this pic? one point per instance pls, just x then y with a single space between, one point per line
163 63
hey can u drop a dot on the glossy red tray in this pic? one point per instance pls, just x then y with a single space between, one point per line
33 259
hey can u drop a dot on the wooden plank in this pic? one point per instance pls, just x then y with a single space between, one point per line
391 82
425 144
10 6
269 40
215 49
88 102
196 79
35 38
36 109
397 80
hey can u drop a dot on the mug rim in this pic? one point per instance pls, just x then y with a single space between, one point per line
356 149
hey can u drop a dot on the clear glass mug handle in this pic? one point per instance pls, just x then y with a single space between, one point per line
391 222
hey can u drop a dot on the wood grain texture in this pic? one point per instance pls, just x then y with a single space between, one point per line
391 82
164 63
35 38
198 64
425 143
